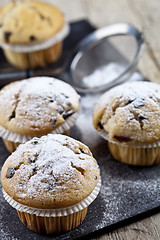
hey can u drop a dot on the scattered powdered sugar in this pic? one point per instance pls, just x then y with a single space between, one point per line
126 191
103 75
5 234
51 161
120 194
84 122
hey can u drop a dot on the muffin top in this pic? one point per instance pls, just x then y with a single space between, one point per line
25 22
53 171
37 105
130 113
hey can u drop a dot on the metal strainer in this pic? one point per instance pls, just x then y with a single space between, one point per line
105 58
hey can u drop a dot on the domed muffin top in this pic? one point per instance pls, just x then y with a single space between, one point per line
25 22
130 113
37 106
53 171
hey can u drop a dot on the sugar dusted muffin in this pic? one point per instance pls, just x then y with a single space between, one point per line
51 181
31 33
35 107
128 116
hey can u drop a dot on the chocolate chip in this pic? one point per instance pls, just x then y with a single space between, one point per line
31 160
53 120
122 138
34 168
65 95
67 114
41 16
100 125
7 36
35 142
32 38
142 117
36 156
44 18
21 185
82 151
13 115
60 109
51 101
69 104
10 172
50 186
95 177
130 101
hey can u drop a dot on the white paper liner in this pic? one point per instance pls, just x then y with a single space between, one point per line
104 134
59 212
25 48
16 137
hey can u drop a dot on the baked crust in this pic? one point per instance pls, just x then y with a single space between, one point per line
27 22
37 106
53 171
130 113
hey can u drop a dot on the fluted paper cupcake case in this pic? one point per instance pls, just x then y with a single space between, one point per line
26 48
16 137
134 154
104 134
59 212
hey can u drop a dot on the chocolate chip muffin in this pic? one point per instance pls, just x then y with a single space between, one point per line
35 107
51 181
128 117
28 45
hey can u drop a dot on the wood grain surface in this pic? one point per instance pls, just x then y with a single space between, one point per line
145 15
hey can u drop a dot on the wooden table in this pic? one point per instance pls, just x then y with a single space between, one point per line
144 14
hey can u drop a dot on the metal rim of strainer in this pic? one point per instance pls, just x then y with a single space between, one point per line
98 36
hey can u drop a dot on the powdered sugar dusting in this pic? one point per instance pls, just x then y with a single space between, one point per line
136 93
47 86
131 110
126 191
43 88
50 164
39 105
136 90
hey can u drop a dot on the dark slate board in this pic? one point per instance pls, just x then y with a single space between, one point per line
127 193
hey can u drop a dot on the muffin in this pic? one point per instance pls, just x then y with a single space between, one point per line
50 181
128 116
35 107
31 33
